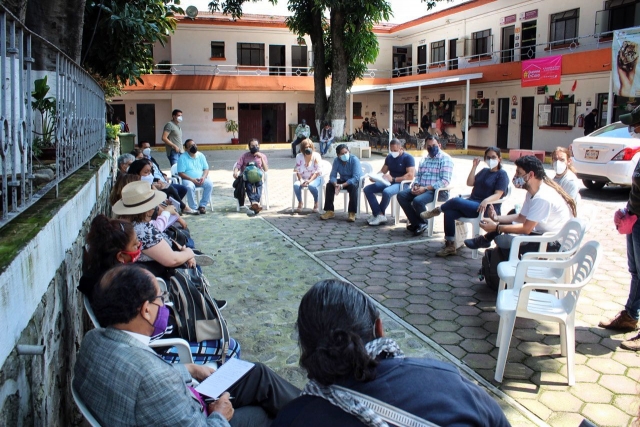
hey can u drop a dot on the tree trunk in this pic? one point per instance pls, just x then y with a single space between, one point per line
60 22
319 70
339 73
17 7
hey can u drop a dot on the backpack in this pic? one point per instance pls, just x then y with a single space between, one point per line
489 270
252 173
126 128
196 314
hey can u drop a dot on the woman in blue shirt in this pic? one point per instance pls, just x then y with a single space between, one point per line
488 186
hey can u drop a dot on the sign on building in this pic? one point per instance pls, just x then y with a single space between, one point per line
541 71
625 50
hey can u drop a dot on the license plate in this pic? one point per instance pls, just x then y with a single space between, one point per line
591 154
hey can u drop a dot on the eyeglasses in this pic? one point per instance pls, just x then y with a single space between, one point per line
164 297
492 157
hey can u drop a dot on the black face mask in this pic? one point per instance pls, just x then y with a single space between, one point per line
193 149
308 151
254 150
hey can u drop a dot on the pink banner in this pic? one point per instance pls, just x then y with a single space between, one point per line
542 71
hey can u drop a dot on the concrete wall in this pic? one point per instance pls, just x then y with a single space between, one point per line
39 305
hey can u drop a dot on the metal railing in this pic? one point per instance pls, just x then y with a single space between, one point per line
231 70
79 116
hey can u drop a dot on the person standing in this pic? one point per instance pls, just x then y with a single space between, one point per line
434 172
303 131
172 137
398 166
349 168
590 122
373 123
463 126
194 169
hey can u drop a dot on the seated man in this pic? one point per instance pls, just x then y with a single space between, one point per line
253 190
124 161
398 166
193 169
326 138
434 172
349 168
124 382
303 131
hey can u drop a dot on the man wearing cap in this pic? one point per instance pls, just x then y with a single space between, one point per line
590 121
302 132
627 319
124 382
194 169
349 169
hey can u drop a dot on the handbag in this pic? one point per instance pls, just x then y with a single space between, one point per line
196 313
177 235
624 221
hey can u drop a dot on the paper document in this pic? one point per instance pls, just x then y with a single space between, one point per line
226 376
378 177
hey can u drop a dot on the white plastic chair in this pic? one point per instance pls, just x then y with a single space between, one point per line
86 413
182 346
558 305
264 197
475 221
178 180
325 170
366 170
570 238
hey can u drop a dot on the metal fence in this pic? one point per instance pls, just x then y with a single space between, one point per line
79 117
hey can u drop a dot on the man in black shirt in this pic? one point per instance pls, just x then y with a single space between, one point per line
590 121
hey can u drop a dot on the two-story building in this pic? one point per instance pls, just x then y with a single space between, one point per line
255 71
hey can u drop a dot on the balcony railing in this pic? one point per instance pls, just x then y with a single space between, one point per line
554 47
79 117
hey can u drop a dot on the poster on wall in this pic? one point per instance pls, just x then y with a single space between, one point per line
624 49
541 71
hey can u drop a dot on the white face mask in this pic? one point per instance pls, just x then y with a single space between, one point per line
394 154
559 167
146 152
179 118
492 163
148 178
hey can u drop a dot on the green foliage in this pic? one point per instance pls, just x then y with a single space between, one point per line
231 126
44 132
112 131
118 37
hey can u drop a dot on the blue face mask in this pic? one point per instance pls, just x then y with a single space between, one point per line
345 157
518 181
433 150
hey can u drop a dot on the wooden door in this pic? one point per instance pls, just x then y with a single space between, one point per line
308 112
526 123
249 122
502 140
147 123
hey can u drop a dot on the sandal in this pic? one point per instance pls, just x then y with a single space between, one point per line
299 208
315 208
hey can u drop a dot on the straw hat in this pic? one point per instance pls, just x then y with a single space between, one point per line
138 197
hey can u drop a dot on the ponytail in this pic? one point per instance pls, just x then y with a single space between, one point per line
567 198
106 238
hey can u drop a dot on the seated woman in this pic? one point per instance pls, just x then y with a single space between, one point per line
113 241
565 172
253 190
342 343
488 186
309 173
121 182
144 168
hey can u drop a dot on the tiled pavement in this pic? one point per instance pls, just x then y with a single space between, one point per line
431 305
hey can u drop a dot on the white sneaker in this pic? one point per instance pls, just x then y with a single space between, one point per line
371 218
382 219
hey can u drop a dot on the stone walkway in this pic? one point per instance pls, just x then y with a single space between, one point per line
432 306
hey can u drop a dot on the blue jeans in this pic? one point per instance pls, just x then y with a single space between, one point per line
388 192
173 157
633 258
413 205
324 146
253 191
455 208
207 186
314 187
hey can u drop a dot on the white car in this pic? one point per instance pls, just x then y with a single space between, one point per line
606 156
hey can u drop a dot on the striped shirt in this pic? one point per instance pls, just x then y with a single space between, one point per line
435 171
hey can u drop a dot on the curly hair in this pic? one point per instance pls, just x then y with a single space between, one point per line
121 293
335 321
106 238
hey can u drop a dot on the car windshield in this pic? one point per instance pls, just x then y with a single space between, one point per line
614 130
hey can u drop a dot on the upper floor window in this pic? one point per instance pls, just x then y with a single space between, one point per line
437 53
251 54
622 13
481 42
217 49
564 27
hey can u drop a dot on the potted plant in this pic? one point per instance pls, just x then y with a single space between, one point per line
44 132
231 126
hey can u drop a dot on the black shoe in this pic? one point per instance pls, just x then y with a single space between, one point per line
477 243
221 303
411 227
420 229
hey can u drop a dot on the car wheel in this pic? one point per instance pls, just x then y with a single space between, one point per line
593 185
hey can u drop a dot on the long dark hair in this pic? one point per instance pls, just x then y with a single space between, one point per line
532 163
497 151
335 321
136 167
106 238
